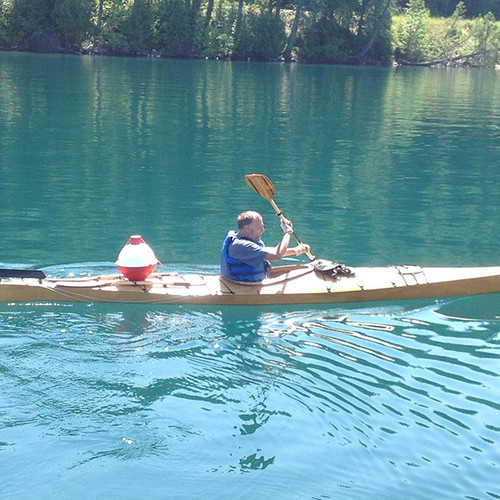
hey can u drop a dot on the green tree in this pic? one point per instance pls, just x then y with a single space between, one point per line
441 8
346 31
374 31
4 23
452 41
486 33
219 39
72 20
445 8
111 25
239 25
29 21
292 39
412 37
262 36
175 32
482 7
139 28
325 41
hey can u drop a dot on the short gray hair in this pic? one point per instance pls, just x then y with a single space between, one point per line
247 217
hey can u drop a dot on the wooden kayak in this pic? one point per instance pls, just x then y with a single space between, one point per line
297 284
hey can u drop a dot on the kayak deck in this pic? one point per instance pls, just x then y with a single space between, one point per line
301 284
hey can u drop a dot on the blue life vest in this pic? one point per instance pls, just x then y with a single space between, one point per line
237 270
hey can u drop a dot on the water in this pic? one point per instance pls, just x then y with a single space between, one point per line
223 404
375 166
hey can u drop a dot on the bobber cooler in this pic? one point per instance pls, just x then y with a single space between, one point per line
136 260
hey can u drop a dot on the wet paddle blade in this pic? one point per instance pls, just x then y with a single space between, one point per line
261 185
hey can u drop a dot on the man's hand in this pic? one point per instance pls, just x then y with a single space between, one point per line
287 226
299 250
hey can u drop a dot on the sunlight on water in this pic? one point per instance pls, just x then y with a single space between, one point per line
414 388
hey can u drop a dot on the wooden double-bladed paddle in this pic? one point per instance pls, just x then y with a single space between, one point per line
265 188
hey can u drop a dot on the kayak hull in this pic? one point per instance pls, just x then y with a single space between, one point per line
301 284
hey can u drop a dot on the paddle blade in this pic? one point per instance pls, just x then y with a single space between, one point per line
261 185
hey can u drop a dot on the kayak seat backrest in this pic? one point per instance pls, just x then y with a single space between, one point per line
22 273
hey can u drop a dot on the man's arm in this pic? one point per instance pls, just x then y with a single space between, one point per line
280 250
274 253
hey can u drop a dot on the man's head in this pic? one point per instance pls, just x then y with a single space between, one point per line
250 225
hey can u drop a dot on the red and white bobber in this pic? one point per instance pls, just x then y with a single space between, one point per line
136 261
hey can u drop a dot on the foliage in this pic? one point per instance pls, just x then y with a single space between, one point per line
455 40
262 36
324 31
411 37
139 28
219 42
29 20
347 32
4 15
325 41
72 20
176 28
445 8
486 32
110 30
374 32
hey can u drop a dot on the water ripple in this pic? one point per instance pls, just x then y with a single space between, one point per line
391 390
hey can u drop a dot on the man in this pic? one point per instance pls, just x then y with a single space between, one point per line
244 257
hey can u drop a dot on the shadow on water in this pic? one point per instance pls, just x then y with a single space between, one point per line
481 307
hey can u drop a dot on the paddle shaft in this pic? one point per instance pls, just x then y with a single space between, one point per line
265 188
297 239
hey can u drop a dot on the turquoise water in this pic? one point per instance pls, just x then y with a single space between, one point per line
375 166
